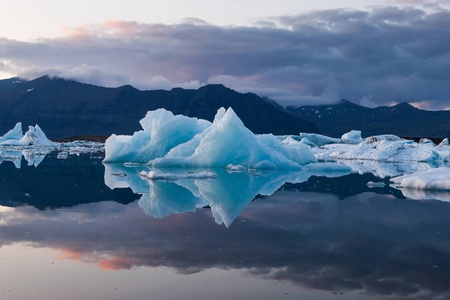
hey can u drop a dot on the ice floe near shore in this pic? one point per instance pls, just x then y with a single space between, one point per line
179 141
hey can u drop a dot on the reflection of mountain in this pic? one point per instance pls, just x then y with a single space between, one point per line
57 183
226 194
369 244
344 186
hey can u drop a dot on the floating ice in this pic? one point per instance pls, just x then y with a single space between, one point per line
385 169
33 145
352 137
13 134
434 179
162 132
179 141
384 148
372 184
318 139
34 136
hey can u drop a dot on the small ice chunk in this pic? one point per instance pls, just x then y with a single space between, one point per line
235 168
62 155
352 137
379 184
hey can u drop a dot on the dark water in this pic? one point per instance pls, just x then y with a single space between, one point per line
71 229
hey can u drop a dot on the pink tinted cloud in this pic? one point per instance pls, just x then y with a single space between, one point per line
75 32
121 27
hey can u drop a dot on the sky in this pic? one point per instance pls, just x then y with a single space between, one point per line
373 53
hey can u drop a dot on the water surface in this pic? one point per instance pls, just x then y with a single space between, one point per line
75 229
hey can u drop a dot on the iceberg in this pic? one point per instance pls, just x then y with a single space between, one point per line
384 148
162 132
169 140
33 145
433 179
13 134
34 136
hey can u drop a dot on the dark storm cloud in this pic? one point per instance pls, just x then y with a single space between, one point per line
388 54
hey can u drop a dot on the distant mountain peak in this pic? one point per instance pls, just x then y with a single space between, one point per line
402 119
345 101
405 104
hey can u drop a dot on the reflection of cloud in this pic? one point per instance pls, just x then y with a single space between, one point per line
369 243
393 53
103 261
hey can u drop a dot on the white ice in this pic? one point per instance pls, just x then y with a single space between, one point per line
179 141
34 136
317 139
433 179
34 146
384 148
13 134
352 137
161 132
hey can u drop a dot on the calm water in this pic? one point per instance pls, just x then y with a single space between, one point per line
75 229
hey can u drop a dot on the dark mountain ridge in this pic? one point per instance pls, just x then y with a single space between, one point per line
402 119
65 108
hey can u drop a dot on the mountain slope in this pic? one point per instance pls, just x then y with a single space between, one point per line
64 108
402 119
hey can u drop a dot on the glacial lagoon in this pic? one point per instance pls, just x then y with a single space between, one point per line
76 228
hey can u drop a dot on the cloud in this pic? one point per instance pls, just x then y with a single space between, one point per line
397 53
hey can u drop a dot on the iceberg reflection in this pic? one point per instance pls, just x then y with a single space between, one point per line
417 194
33 155
226 194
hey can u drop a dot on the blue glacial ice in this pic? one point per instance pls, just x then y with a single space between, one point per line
179 141
14 134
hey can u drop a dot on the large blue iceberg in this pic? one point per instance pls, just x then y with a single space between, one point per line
169 140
